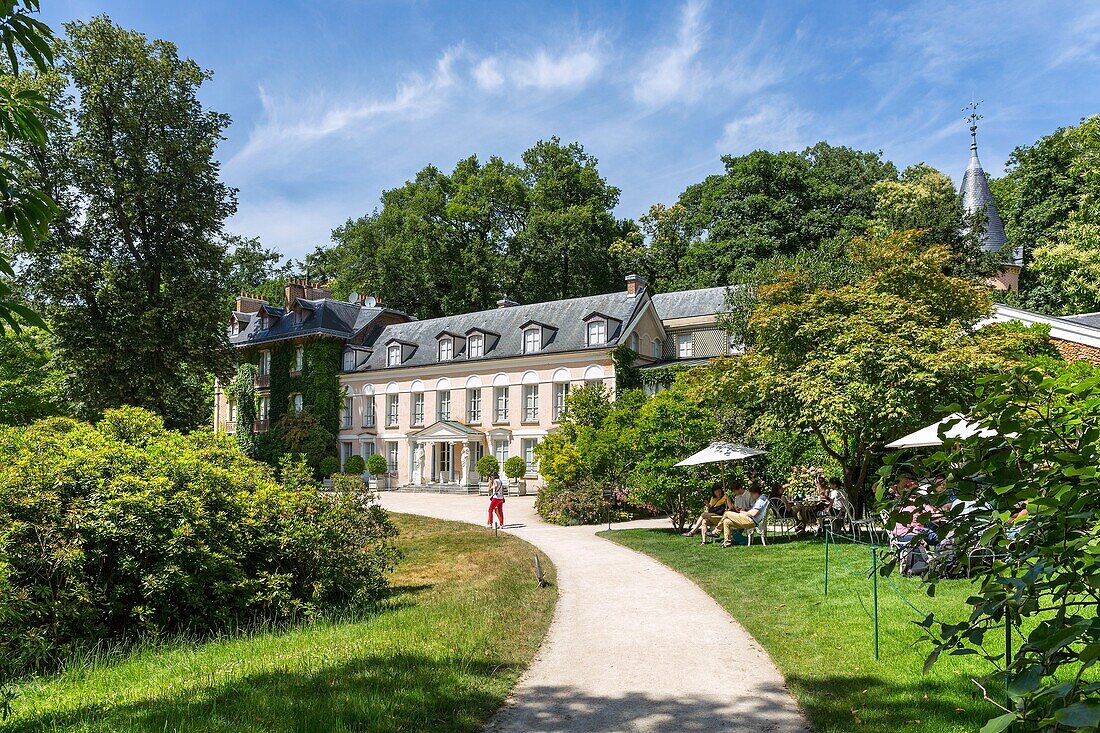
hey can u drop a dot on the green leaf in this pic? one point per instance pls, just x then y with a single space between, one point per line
1026 682
999 723
1079 715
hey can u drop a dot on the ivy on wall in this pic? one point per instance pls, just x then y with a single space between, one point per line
661 377
243 391
322 396
627 376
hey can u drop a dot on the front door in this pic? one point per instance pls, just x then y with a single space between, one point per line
446 456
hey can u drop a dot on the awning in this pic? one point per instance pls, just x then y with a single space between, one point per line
717 452
929 436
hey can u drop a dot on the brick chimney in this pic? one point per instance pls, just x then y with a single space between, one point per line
506 303
317 292
635 285
295 288
248 303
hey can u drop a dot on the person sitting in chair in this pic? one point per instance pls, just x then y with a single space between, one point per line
733 523
713 509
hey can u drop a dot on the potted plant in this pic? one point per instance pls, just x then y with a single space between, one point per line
485 466
376 466
355 466
515 468
328 466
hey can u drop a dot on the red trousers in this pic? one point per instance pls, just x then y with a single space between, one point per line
498 506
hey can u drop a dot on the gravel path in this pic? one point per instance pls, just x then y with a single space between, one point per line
634 646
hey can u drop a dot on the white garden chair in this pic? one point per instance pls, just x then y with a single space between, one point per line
761 530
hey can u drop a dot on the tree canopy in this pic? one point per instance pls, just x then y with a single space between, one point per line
1050 201
444 243
133 274
860 362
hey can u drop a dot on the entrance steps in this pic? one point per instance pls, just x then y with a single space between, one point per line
438 489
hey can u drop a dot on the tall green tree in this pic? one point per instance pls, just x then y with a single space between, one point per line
254 269
134 271
858 363
1050 201
924 200
452 242
764 205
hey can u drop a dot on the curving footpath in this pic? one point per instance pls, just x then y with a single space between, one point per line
634 646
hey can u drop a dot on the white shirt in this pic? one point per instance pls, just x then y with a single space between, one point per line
496 489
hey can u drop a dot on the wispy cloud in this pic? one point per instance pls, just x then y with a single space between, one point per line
667 72
545 69
772 124
1082 43
282 127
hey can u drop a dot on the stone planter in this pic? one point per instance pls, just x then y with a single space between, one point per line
521 487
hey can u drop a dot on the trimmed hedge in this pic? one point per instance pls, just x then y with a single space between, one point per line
122 529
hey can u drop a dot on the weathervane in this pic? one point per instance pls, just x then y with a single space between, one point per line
972 120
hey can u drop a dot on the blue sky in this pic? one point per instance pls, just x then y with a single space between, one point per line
337 100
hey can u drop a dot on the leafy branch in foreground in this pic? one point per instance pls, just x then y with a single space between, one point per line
1030 496
24 210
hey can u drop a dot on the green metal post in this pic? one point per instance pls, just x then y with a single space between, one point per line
826 560
1008 654
874 587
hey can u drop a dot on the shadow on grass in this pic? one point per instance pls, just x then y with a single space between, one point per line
870 703
373 693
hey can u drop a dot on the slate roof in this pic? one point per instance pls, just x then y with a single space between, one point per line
689 303
323 317
976 196
564 315
1091 320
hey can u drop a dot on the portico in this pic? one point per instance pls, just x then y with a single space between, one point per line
446 452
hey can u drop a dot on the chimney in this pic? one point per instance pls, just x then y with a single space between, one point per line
505 302
317 292
248 303
635 285
295 288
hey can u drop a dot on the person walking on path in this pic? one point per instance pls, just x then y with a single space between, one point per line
496 500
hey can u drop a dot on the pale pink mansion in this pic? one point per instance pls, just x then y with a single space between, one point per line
433 396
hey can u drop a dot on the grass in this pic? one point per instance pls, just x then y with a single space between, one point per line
441 654
823 645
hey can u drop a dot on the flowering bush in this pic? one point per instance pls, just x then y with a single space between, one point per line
123 528
803 479
583 503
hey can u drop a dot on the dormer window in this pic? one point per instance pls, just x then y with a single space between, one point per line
265 322
532 340
393 355
597 332
446 349
349 360
475 346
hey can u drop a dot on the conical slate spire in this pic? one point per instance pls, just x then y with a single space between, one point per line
976 196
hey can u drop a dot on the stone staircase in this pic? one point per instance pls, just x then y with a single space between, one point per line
437 489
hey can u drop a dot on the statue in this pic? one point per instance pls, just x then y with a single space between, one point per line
418 469
465 461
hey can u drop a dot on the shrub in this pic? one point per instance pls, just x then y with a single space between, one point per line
328 466
515 467
376 465
355 465
583 504
487 465
120 529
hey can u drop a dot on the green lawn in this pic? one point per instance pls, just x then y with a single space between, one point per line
464 620
823 645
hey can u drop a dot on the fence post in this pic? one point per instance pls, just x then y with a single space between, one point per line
1008 654
874 587
826 560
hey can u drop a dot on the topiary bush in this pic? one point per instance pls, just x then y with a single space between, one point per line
355 465
112 531
515 467
376 465
487 465
328 466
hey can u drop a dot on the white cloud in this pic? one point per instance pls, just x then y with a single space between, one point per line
1083 42
570 69
773 124
667 72
487 74
283 128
